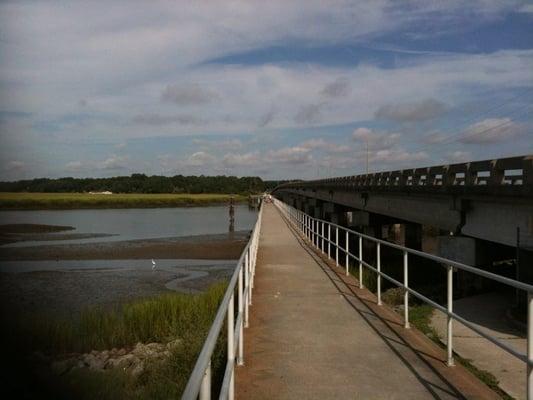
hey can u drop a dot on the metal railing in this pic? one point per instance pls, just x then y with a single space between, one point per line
242 280
315 230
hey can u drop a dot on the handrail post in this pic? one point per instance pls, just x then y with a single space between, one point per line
379 271
240 358
449 326
246 288
322 223
529 345
337 246
347 251
360 262
252 273
205 388
329 240
231 350
406 293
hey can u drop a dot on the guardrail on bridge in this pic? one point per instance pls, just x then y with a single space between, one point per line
513 176
240 284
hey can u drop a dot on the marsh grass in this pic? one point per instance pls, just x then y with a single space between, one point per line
86 200
159 319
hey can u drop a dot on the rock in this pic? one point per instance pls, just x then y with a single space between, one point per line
136 369
93 362
133 361
126 361
63 366
172 344
155 346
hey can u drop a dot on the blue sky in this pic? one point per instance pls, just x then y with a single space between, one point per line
277 89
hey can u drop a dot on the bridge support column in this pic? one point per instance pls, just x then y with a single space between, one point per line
412 235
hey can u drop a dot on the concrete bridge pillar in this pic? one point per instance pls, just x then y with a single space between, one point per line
412 235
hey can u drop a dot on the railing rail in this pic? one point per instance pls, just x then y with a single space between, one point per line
242 279
314 230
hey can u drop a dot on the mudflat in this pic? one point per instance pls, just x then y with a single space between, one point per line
205 247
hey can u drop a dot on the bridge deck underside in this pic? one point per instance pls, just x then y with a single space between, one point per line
311 337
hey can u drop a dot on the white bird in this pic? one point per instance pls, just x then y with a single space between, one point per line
153 264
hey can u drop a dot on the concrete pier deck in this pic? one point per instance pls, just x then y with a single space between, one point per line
314 335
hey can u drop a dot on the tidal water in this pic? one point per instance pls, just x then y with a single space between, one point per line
133 224
123 265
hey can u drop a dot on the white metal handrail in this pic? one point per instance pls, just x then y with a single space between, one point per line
314 230
242 279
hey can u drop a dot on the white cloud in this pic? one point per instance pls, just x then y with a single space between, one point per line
220 144
459 156
14 166
434 138
490 130
375 140
242 160
338 88
200 158
187 95
290 155
95 72
74 166
161 120
411 112
114 162
398 156
321 144
526 8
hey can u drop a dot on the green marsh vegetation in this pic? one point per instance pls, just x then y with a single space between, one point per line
160 319
85 200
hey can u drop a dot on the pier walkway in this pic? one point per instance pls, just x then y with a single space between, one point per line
314 335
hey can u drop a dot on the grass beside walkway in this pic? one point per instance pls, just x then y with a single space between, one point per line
159 319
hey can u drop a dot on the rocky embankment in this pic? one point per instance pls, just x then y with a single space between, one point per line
133 360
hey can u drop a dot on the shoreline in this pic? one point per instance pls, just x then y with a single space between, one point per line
21 201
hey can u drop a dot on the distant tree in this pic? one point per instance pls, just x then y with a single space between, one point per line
141 183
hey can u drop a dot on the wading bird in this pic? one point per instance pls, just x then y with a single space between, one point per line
153 264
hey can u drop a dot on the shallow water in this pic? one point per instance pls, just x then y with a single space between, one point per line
71 265
133 224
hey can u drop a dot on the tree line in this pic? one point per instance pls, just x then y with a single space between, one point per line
141 183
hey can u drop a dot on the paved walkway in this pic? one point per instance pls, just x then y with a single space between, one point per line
312 337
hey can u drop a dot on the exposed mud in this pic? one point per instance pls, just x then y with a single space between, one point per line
206 247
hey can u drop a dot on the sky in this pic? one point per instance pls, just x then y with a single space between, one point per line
278 89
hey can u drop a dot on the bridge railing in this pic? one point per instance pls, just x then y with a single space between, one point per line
513 175
241 285
320 233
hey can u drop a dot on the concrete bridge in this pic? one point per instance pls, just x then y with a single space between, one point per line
314 331
483 209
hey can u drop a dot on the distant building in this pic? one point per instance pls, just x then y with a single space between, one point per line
105 192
